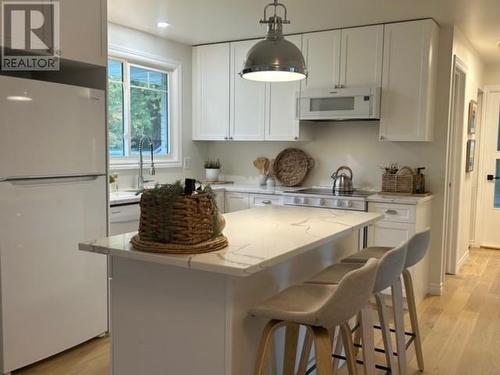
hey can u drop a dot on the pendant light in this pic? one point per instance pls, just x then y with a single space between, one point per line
274 59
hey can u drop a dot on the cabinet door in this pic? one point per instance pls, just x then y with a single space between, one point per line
219 200
389 234
235 202
248 98
283 123
322 53
409 81
211 92
361 56
83 31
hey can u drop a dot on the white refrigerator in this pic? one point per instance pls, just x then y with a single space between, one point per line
52 196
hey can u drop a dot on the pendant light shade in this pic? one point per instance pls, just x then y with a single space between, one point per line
274 59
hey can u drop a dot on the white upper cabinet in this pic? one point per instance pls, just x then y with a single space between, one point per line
249 99
283 123
211 71
409 81
361 56
322 53
83 31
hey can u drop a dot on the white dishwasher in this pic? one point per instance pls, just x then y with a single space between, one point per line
124 218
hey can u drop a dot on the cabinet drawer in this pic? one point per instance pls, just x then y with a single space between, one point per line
400 213
265 200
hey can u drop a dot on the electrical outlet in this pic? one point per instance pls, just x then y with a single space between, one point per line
187 163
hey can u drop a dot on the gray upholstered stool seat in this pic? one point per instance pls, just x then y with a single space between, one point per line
299 304
362 256
333 274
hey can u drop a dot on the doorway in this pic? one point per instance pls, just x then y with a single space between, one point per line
454 167
489 172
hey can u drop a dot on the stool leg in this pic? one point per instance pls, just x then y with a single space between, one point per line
338 348
306 351
349 348
357 334
366 330
266 345
386 333
323 351
399 324
412 310
291 338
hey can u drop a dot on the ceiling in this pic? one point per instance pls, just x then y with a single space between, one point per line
204 21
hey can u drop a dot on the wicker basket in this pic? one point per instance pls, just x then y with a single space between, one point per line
189 222
401 182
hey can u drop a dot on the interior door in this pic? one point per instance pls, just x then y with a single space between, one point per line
51 129
491 188
53 295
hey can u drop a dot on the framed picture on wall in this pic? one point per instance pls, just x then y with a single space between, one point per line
471 150
472 117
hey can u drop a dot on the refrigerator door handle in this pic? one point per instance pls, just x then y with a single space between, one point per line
49 180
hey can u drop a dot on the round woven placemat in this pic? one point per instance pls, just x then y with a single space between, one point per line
291 166
214 244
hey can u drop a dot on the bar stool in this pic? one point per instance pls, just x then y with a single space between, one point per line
388 275
320 308
417 248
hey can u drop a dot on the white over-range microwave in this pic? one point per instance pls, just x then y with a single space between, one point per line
339 104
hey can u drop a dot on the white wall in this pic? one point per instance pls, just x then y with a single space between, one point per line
468 181
138 41
357 145
492 74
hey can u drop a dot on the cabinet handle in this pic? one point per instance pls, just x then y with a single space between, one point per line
391 212
382 138
296 138
267 202
226 138
231 138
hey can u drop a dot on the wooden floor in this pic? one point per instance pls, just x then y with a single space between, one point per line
460 330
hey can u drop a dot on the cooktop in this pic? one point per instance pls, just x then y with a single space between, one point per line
329 192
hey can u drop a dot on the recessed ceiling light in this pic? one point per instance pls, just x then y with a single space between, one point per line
19 98
163 24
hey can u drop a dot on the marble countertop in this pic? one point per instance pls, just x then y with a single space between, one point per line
277 234
128 197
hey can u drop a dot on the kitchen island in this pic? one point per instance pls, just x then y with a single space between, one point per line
174 314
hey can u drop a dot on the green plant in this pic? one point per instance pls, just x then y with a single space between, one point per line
212 164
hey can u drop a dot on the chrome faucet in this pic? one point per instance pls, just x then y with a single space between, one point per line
140 179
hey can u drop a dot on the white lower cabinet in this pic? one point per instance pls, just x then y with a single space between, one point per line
265 200
220 200
401 221
235 201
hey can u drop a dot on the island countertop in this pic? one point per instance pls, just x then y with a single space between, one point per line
259 238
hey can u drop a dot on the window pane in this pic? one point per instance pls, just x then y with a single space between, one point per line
147 78
497 186
115 70
149 118
115 120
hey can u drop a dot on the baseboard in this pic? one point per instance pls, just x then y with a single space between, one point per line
435 289
462 260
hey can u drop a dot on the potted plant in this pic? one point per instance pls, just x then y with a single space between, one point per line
212 169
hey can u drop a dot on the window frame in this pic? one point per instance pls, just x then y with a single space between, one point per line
174 97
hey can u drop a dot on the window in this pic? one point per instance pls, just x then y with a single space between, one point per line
139 106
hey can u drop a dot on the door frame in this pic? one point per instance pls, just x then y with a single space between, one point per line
482 167
453 169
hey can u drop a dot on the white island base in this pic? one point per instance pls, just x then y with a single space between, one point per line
188 314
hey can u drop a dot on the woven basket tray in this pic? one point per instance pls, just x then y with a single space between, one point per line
401 182
291 166
189 222
214 244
